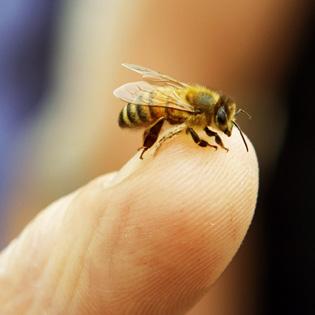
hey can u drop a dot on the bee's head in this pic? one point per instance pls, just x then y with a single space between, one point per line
225 115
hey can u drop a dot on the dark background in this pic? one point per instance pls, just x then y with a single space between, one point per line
289 223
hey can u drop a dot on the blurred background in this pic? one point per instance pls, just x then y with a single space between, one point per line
60 61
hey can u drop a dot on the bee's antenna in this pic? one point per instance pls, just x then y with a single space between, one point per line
242 111
240 130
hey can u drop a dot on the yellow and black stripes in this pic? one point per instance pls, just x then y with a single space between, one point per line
123 119
134 116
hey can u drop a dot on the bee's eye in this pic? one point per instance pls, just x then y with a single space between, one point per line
221 116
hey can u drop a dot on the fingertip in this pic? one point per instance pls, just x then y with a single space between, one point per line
183 214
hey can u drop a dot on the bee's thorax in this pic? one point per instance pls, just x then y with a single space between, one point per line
201 97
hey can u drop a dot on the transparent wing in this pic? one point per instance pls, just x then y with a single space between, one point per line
154 77
144 93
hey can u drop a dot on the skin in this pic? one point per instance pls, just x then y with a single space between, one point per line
149 239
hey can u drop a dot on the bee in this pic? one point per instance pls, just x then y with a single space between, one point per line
159 98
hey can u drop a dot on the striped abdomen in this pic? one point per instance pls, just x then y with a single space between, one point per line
133 116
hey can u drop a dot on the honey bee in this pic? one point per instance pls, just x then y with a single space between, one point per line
159 98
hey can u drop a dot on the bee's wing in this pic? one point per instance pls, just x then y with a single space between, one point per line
154 76
144 93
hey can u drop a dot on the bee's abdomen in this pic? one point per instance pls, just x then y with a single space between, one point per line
133 116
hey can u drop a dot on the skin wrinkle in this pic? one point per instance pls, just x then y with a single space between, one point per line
91 237
36 268
63 268
117 235
61 264
108 250
41 265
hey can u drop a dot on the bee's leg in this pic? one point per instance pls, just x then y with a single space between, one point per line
217 138
197 139
150 135
170 133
